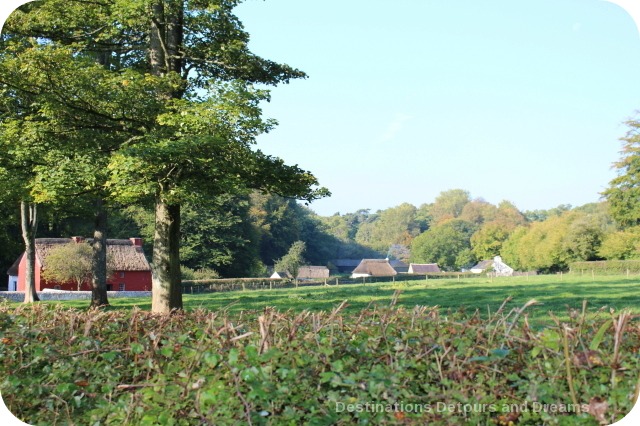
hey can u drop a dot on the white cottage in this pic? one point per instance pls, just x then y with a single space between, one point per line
500 268
13 275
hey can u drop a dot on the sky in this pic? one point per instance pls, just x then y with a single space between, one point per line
510 100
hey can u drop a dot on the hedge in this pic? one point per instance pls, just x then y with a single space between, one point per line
607 266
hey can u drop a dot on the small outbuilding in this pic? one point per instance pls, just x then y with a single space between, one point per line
313 273
399 266
13 274
343 266
281 275
424 268
373 268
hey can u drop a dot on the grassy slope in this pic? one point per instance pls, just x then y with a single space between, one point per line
555 294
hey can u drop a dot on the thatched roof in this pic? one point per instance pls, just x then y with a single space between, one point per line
482 265
424 268
375 268
313 272
126 256
122 255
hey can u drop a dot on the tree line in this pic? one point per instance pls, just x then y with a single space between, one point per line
245 235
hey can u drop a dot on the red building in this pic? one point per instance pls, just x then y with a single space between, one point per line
131 268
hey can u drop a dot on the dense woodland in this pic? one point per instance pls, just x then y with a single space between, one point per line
244 236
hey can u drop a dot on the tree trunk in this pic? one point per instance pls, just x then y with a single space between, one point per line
165 42
166 278
99 257
28 219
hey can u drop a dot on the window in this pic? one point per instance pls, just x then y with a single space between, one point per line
109 287
121 274
56 287
121 286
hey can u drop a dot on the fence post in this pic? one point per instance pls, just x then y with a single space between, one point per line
337 282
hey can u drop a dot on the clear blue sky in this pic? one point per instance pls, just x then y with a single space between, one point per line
516 100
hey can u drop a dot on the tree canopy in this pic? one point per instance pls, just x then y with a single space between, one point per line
153 99
623 193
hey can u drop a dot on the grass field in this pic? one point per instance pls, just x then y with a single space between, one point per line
558 294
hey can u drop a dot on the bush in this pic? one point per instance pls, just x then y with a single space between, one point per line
133 367
189 274
607 266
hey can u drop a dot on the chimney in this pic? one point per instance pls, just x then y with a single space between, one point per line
136 241
77 239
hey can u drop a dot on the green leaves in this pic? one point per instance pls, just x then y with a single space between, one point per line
142 368
623 193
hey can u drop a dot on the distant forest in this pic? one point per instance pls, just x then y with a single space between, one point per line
244 236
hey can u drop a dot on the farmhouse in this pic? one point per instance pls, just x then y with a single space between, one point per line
423 268
482 266
131 269
313 273
373 268
500 268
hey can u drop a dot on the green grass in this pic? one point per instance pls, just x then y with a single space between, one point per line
554 293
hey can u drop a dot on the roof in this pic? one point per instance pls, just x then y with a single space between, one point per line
13 269
281 274
424 268
483 264
375 267
398 263
313 272
122 255
346 262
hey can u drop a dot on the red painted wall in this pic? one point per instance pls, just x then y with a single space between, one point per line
132 280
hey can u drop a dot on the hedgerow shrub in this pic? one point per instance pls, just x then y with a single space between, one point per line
613 267
65 366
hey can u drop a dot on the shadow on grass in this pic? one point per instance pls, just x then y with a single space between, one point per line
552 293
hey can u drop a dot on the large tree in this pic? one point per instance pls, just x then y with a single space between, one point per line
72 263
447 244
395 225
449 205
623 193
196 114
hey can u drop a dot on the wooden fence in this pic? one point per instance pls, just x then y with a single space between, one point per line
231 284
